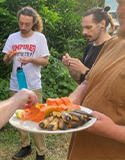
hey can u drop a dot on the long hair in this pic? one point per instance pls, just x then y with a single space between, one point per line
100 14
37 21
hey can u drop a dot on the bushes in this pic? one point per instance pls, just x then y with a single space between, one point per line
4 89
8 25
56 80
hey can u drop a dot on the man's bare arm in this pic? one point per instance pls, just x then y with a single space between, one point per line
9 106
77 96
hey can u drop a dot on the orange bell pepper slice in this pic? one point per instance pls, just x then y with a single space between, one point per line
14 52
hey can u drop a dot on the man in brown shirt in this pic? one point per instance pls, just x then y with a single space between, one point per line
105 95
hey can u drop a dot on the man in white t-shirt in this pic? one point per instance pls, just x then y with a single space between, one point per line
32 49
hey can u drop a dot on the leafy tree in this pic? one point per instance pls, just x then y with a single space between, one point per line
85 5
68 29
13 5
8 25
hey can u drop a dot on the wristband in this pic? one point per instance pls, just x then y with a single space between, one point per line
86 72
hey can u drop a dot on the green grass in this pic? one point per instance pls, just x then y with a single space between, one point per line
56 144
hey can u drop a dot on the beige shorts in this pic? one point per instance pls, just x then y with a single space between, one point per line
38 93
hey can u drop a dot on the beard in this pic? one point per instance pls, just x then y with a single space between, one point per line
24 31
121 33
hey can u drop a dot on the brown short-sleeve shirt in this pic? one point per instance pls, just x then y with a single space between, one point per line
106 94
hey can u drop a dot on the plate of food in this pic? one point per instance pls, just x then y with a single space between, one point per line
57 122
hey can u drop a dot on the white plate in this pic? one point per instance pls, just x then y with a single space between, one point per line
31 126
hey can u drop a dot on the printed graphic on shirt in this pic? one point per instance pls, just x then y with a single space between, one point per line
29 49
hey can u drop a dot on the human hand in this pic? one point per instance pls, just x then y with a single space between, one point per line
104 126
77 65
65 60
23 97
10 56
25 60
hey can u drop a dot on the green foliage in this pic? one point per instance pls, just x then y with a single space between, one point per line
51 25
56 80
66 26
75 47
1 1
85 5
14 5
4 89
8 25
69 27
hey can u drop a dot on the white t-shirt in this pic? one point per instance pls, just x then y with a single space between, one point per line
34 46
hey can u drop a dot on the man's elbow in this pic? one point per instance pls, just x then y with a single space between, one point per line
46 62
5 61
